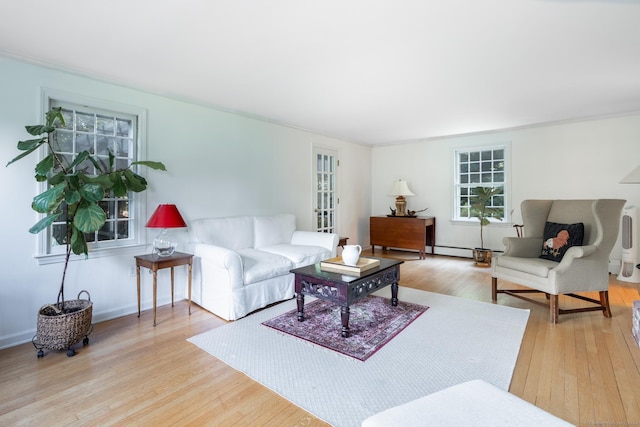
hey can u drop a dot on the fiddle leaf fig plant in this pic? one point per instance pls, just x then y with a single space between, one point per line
481 209
73 194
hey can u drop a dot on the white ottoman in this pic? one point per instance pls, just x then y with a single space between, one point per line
474 403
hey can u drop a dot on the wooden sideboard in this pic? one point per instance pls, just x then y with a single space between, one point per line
403 233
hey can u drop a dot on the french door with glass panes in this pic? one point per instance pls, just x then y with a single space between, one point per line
326 200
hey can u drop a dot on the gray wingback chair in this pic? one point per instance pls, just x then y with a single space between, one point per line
583 268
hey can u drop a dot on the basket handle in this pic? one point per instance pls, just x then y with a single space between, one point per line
86 292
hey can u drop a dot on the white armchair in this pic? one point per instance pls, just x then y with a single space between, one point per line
582 268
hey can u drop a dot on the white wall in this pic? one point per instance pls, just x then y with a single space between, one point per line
219 164
584 159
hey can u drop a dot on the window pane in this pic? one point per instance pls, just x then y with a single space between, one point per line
85 122
105 125
123 229
62 141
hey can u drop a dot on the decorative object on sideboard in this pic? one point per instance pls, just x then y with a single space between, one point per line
164 217
71 203
400 190
413 213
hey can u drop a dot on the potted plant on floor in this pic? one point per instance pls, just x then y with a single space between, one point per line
481 208
72 197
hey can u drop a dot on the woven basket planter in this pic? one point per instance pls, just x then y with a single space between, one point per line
62 331
482 257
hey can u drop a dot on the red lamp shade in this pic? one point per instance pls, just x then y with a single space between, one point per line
166 216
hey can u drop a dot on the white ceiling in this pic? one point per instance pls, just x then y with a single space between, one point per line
369 71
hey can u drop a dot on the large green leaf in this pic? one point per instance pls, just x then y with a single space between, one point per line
152 165
26 153
72 197
45 165
81 157
50 199
36 130
53 115
31 143
103 180
44 223
92 192
89 218
56 179
119 189
134 182
78 242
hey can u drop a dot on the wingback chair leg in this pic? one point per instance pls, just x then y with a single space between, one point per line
553 308
494 289
604 301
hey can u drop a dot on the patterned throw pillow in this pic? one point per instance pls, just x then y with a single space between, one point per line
560 237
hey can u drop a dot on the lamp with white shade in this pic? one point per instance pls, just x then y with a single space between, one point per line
400 190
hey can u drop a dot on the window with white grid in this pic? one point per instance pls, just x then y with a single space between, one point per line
480 167
100 130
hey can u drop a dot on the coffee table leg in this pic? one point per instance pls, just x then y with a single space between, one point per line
394 294
300 301
344 315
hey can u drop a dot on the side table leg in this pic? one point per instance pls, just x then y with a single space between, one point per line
138 275
344 316
394 294
189 275
171 286
300 301
155 291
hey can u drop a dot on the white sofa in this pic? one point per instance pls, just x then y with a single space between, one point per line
242 263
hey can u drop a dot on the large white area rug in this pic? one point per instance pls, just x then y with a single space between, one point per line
456 340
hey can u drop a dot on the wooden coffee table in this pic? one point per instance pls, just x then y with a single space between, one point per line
343 289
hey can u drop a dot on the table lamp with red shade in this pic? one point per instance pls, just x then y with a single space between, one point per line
165 216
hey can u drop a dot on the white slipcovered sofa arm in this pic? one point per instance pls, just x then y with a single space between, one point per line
313 238
219 263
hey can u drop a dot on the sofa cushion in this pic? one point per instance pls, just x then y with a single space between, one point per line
273 230
300 255
558 238
232 233
261 265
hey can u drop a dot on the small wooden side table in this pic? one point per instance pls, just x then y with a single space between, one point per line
154 263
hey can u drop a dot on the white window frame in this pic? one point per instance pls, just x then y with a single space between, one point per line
457 185
50 254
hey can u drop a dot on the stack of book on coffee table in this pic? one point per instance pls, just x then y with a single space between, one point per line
337 265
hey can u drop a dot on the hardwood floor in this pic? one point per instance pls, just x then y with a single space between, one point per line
585 369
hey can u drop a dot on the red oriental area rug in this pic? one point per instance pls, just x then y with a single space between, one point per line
373 322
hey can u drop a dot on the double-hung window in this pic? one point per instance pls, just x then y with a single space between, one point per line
100 130
480 167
